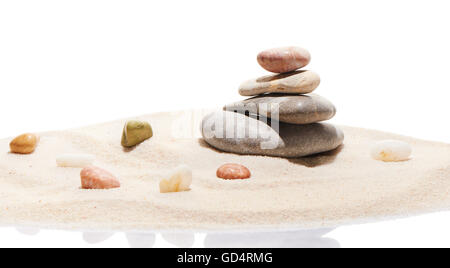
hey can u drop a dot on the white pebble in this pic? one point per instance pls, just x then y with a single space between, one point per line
391 151
75 160
179 180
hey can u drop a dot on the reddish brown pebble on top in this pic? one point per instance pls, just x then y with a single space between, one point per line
97 178
233 172
284 59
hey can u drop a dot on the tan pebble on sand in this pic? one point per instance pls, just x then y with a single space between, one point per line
180 180
233 172
24 144
97 178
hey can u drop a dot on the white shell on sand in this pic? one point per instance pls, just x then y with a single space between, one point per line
180 180
75 160
391 151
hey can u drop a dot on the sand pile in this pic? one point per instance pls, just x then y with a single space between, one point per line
342 186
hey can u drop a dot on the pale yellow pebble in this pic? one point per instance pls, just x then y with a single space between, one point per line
180 180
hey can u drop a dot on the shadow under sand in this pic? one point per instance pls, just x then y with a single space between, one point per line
288 239
130 149
204 144
317 159
141 240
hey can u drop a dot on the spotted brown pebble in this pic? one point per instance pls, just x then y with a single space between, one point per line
24 144
284 59
97 178
233 172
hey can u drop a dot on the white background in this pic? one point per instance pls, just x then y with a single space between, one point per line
384 64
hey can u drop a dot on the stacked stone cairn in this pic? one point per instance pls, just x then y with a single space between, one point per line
281 118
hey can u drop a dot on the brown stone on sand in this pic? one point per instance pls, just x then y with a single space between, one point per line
241 134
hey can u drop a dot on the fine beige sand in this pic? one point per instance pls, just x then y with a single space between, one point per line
344 186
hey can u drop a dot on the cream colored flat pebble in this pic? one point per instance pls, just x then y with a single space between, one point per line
75 160
179 180
391 151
